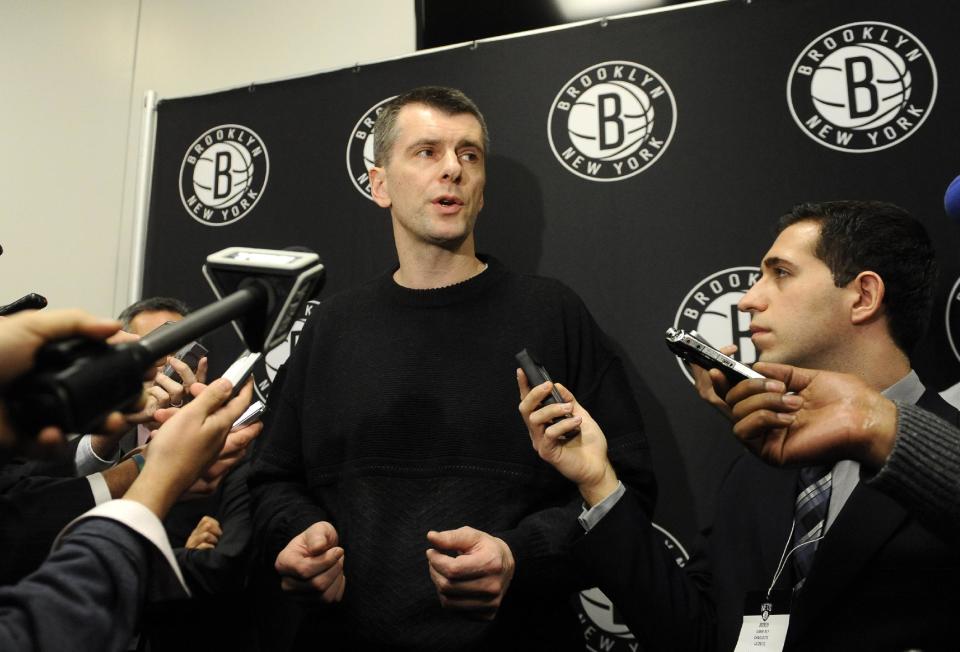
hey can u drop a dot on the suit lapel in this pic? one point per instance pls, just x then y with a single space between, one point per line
934 403
866 523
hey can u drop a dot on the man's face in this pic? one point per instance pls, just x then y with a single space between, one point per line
798 315
148 320
433 182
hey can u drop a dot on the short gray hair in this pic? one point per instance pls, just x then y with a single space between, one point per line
449 100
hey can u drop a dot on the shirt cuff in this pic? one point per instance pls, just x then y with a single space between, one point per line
590 517
88 461
139 519
99 488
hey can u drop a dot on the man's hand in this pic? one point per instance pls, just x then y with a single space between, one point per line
477 578
23 334
186 444
313 561
712 385
206 535
831 417
161 391
582 458
176 394
234 448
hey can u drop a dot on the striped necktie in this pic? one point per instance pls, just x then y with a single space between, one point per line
810 514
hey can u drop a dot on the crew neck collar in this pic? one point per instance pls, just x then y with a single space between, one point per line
448 294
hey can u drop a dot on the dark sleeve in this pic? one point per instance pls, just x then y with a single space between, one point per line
61 466
33 511
923 470
222 568
282 506
539 542
86 596
596 377
666 607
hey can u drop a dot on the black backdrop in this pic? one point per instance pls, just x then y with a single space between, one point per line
638 248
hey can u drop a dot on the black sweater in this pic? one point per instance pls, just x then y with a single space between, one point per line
397 414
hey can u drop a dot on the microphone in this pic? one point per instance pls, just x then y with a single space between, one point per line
32 301
951 200
77 382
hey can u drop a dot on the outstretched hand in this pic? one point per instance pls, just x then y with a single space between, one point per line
581 459
187 444
828 417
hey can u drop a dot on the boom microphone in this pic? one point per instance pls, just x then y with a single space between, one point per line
77 382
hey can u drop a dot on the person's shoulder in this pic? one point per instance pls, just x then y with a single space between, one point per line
347 299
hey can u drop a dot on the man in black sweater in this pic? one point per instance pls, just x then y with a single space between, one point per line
394 456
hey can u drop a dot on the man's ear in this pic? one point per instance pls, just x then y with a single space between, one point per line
378 187
868 304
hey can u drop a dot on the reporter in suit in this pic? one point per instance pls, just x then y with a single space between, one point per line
88 594
846 287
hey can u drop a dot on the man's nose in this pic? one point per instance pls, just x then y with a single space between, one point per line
452 169
752 301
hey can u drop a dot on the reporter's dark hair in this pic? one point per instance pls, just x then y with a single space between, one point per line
449 100
152 304
857 236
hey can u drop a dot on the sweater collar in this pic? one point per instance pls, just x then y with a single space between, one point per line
437 297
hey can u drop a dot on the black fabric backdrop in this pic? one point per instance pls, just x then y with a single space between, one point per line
634 248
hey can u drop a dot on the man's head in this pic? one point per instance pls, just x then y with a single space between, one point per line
839 271
430 147
147 314
449 101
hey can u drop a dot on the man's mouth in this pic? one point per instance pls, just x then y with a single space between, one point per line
448 200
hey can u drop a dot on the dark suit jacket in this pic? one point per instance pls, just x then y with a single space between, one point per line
880 581
34 508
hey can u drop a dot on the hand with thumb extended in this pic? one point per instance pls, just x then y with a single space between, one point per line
475 578
313 561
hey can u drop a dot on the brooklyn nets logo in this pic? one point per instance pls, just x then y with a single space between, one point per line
603 629
612 121
265 372
711 309
223 175
360 149
953 319
862 87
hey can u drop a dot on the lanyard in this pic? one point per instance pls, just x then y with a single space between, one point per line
786 554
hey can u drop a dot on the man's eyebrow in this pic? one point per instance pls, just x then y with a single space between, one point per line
467 142
773 261
424 141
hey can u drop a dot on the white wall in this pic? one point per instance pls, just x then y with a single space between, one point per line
72 79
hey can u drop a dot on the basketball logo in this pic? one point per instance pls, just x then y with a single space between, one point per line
265 371
611 121
360 148
710 308
862 87
953 318
223 175
603 628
